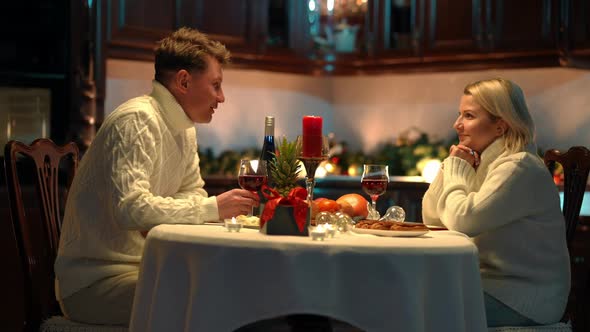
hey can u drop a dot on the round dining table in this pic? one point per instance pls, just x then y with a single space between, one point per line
205 278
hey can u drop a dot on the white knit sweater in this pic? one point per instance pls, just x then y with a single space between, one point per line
510 208
141 170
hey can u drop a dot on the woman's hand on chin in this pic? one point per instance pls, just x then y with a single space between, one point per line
466 153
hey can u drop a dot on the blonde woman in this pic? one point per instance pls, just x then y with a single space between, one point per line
494 188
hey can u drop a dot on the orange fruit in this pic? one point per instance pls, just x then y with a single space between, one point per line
317 206
346 207
358 205
328 205
314 208
319 199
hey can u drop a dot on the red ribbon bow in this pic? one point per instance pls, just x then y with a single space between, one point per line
296 198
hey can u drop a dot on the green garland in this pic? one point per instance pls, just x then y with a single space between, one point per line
227 163
404 157
407 158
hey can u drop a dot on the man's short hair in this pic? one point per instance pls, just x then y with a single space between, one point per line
187 49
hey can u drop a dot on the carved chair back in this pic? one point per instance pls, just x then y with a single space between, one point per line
38 242
576 165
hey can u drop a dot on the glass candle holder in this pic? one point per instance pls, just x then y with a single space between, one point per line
317 233
330 230
232 225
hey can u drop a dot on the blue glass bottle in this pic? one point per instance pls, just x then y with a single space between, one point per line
268 146
268 150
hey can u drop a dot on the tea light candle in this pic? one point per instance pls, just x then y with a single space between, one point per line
330 230
233 226
312 136
318 233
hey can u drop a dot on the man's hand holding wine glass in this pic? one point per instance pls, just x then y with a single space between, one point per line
235 202
252 176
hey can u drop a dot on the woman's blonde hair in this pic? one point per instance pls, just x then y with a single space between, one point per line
504 99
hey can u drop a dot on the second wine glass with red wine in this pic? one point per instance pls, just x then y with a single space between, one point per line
374 183
252 175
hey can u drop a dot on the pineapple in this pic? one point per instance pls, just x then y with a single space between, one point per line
285 167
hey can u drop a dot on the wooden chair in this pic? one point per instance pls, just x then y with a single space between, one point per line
37 242
576 164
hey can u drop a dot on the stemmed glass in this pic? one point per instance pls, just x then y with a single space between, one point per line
316 151
374 182
252 175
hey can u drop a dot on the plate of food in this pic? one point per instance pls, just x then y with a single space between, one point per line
249 221
390 228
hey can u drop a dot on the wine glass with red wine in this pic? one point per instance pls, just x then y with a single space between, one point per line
252 175
374 183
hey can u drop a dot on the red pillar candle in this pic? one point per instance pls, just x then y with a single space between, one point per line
312 136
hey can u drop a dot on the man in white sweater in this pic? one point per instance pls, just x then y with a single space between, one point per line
494 188
142 170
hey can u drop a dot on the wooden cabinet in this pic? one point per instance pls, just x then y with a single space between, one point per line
494 32
575 33
133 27
390 35
136 26
452 27
579 24
524 25
238 24
395 28
463 34
459 27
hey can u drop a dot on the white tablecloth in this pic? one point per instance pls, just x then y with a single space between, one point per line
203 278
